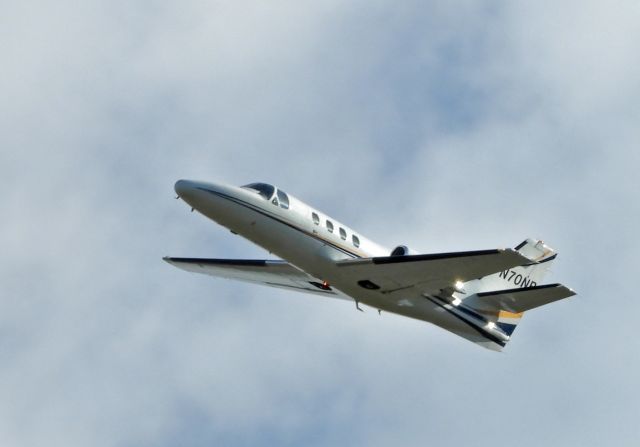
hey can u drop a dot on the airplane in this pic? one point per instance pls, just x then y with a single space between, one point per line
478 295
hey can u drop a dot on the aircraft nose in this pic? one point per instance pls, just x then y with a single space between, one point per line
184 187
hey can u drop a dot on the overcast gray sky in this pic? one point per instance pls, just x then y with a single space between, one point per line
445 126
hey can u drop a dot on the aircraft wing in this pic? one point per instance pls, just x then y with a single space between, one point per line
412 284
429 273
274 273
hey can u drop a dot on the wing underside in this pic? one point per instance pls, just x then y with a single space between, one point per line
273 273
430 273
425 287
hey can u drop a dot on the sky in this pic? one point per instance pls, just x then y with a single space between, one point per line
443 126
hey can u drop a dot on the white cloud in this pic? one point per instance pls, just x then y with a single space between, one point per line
443 126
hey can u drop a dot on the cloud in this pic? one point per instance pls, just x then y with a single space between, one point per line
446 126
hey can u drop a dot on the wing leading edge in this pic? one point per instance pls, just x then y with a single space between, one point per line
273 273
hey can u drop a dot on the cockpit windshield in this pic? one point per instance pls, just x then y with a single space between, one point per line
263 189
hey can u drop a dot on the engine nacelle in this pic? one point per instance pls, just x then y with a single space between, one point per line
403 250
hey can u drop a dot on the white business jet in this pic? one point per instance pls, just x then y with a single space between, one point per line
478 295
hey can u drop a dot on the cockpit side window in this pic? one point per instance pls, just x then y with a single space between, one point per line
265 190
284 199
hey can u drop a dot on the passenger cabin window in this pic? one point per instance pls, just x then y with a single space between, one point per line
284 199
355 240
329 226
343 234
316 219
263 189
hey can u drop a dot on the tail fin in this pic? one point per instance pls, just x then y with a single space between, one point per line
502 298
528 275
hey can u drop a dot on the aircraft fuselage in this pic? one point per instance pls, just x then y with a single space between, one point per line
292 235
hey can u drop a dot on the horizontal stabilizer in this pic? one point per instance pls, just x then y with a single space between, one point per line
518 300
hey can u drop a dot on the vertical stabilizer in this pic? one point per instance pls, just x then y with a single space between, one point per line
493 296
528 275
